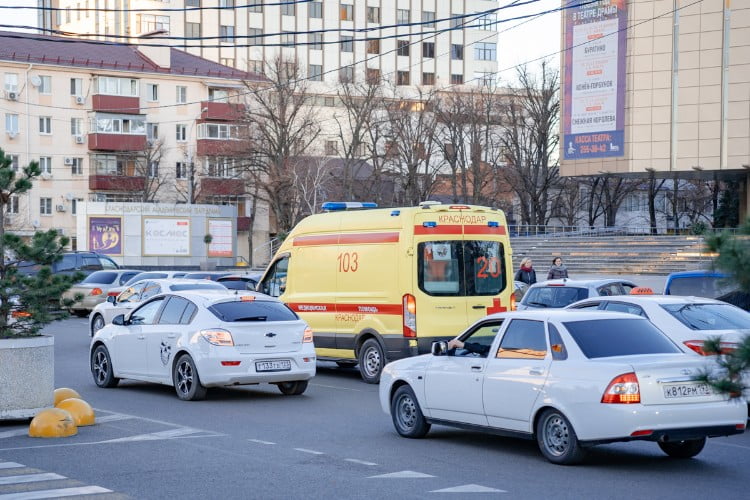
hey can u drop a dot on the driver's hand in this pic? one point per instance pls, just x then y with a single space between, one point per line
455 343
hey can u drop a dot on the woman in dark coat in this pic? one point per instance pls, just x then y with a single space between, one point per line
558 269
526 272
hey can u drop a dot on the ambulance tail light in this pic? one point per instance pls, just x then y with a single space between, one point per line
410 316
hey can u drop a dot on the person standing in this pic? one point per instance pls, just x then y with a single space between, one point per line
526 272
558 269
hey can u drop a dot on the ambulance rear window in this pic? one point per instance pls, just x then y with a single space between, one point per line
461 268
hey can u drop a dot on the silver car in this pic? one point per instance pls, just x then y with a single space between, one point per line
555 294
95 288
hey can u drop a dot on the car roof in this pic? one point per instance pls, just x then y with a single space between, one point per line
198 297
581 283
652 299
243 275
182 281
560 315
697 274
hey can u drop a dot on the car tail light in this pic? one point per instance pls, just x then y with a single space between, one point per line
644 432
230 363
513 302
96 291
20 314
217 337
410 316
113 294
308 335
697 346
740 427
623 389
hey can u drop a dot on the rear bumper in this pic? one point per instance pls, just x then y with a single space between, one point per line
214 374
678 434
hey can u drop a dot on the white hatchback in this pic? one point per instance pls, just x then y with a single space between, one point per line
193 341
569 380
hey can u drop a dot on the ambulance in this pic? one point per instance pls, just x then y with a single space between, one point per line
376 285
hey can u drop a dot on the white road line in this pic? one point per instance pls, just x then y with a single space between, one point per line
61 492
312 452
16 432
338 387
154 436
30 478
404 474
469 488
362 462
112 418
10 465
260 441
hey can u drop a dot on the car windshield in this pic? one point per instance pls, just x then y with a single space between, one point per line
256 310
711 287
603 338
101 278
709 316
195 286
146 276
554 296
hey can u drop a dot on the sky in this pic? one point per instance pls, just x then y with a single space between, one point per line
518 41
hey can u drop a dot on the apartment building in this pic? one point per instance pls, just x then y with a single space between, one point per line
115 123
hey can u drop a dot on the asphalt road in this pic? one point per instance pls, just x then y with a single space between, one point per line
331 442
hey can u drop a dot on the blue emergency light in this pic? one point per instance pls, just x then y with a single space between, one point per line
493 223
334 206
429 224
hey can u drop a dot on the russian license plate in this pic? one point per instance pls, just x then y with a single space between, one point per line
687 390
279 365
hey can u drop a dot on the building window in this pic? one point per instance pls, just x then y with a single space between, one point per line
110 85
181 170
255 66
254 36
288 8
346 12
45 87
373 14
67 14
255 6
315 73
152 92
11 123
287 39
148 23
217 131
316 41
45 206
457 52
373 46
226 3
152 131
45 125
402 78
128 126
457 20
487 22
193 30
74 211
315 10
12 207
484 79
76 126
76 86
403 16
227 61
14 162
347 43
457 79
181 132
428 50
329 101
45 164
11 82
76 167
181 94
152 170
428 78
485 51
403 47
227 34
428 17
346 74
218 95
332 148
220 167
373 76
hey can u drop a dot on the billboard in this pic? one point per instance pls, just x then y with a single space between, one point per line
222 238
594 91
105 235
166 236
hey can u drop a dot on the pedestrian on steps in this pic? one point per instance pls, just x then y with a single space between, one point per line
558 269
526 272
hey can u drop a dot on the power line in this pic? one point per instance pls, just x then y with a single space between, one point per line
176 9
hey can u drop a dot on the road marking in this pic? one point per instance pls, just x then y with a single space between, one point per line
17 432
338 387
469 488
61 492
312 452
112 418
260 441
10 465
354 460
154 436
30 478
404 474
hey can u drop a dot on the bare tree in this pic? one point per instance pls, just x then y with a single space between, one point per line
310 177
148 166
614 190
569 201
654 186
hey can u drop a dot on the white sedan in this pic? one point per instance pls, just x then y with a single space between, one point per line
567 379
193 341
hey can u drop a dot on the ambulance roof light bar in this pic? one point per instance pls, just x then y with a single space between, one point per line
335 206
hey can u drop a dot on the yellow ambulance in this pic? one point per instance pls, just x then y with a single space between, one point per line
376 285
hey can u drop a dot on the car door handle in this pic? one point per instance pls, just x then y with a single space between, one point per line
536 371
478 307
141 337
476 368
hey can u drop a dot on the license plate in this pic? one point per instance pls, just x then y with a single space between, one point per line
687 390
279 365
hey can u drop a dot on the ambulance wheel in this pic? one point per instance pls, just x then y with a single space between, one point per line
371 361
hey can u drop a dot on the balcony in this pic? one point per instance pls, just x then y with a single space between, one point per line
243 223
220 147
116 104
224 111
117 142
219 186
116 183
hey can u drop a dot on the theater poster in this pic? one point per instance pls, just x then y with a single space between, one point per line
594 89
222 242
105 235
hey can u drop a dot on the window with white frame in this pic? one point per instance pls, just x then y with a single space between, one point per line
332 148
45 125
11 123
14 162
346 12
76 126
428 17
148 23
181 94
255 66
11 82
45 87
485 51
192 3
220 167
227 61
128 126
152 131
316 41
346 74
181 132
315 10
402 47
152 169
457 20
287 39
457 52
74 205
226 3
487 22
255 6
181 170
428 50
315 73
192 30
484 79
217 131
373 14
76 86
45 164
347 43
403 16
13 205
45 206
226 33
254 36
218 95
287 8
110 85
152 92
76 167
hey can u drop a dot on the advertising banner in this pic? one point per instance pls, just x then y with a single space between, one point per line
166 236
222 238
594 91
105 235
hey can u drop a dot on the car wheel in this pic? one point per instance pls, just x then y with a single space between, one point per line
683 449
371 361
557 439
292 388
101 368
187 383
406 414
97 324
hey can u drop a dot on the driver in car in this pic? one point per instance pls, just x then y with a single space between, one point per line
480 349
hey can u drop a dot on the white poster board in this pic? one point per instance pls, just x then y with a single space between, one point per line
166 236
222 238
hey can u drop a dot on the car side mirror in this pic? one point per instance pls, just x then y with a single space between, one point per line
439 348
119 320
111 299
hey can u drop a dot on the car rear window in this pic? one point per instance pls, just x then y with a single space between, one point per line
709 316
101 278
603 338
554 296
257 310
196 286
146 276
701 286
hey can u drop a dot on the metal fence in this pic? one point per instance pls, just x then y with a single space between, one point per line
553 231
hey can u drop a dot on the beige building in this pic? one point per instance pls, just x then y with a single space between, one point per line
118 124
686 108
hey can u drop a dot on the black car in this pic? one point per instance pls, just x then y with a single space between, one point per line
72 262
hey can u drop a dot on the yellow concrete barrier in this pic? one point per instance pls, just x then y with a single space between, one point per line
53 423
64 393
80 410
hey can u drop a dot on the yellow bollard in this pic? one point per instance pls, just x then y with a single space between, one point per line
52 423
64 393
80 410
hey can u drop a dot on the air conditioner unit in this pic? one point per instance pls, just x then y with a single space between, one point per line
68 160
60 208
12 96
79 139
12 135
80 99
46 175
